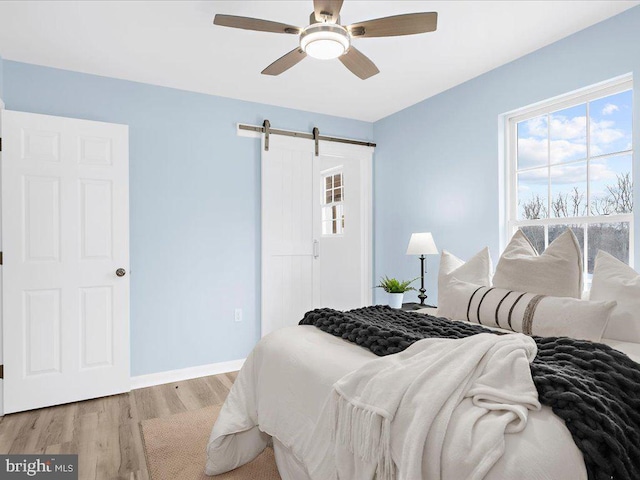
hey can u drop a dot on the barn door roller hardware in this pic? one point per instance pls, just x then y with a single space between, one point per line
267 126
315 136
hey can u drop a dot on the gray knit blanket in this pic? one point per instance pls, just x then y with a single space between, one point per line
592 387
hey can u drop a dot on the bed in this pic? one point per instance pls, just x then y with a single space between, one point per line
292 391
280 393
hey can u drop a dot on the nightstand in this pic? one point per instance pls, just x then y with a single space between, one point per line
415 306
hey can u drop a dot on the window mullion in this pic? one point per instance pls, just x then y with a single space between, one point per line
588 162
585 254
548 170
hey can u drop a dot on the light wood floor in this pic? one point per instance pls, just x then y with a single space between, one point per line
105 432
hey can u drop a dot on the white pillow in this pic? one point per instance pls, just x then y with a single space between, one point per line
477 270
557 272
528 313
615 280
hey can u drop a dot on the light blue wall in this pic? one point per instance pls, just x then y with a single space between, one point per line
195 205
437 165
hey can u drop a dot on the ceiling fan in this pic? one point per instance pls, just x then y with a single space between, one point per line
325 38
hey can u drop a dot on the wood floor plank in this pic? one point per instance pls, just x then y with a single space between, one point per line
87 437
108 461
168 393
62 448
127 431
136 432
90 406
146 404
9 428
53 430
220 385
105 432
70 413
196 393
224 380
27 437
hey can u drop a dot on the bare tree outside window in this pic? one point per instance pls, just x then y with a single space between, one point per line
618 200
535 208
612 237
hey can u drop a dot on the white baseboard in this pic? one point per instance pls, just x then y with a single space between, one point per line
143 381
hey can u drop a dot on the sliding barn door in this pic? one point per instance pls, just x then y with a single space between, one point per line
316 229
290 231
65 238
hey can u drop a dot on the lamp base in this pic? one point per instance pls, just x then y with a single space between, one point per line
422 296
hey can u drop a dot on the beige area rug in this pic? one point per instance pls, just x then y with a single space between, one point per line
175 449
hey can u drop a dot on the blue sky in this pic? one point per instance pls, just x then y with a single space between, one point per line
560 140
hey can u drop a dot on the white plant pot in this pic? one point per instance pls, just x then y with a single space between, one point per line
395 300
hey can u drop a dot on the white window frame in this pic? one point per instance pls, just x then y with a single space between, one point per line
510 199
330 172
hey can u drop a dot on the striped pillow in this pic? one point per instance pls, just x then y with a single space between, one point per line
527 313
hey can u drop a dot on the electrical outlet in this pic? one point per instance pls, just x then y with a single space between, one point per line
238 315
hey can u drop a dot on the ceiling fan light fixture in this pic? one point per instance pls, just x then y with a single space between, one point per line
325 41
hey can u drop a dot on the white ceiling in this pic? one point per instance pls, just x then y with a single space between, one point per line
174 44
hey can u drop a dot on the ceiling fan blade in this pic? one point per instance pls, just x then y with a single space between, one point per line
359 63
329 9
248 23
407 24
285 62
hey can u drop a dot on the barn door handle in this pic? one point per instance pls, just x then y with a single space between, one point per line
121 272
316 249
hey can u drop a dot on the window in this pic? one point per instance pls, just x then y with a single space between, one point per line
569 165
332 202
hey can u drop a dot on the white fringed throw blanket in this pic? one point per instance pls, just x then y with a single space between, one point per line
461 396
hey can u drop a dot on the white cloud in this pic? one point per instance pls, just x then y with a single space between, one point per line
601 172
532 152
539 176
572 174
568 139
565 150
609 108
563 128
537 126
602 134
569 174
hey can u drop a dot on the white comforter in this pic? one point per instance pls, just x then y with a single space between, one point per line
287 379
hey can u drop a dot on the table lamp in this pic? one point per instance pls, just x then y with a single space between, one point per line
422 244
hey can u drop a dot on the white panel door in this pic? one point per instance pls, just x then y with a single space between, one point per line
289 228
65 233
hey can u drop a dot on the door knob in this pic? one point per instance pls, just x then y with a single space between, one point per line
121 272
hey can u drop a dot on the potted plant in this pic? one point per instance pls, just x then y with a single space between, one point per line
395 288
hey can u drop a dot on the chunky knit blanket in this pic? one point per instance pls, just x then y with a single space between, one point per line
592 387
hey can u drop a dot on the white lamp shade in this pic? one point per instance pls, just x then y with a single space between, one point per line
422 244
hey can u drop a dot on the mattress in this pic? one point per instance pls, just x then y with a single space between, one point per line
294 369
